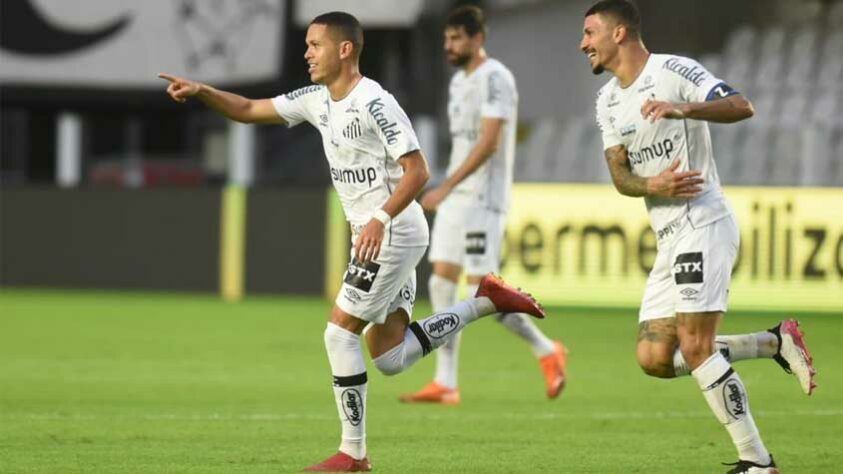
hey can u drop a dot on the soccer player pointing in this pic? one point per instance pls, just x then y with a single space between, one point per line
377 170
653 116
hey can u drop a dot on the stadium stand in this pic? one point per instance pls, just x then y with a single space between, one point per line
793 76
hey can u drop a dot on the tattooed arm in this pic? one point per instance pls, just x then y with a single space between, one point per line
668 183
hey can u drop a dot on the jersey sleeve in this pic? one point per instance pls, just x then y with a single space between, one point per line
295 107
499 97
696 83
392 126
607 129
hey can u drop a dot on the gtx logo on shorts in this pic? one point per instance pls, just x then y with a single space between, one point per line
475 243
361 275
375 108
441 325
734 398
352 406
659 150
356 176
688 268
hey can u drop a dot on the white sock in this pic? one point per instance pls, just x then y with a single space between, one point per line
349 369
748 346
443 294
726 396
734 348
422 337
522 325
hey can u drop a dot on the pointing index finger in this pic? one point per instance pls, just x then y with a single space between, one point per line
167 77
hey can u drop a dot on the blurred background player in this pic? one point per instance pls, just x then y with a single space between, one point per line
377 169
653 116
472 202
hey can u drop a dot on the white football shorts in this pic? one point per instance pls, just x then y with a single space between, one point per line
373 290
468 235
693 271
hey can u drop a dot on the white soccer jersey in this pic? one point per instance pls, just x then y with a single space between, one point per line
488 92
653 147
363 135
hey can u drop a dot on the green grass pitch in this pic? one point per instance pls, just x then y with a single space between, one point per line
135 382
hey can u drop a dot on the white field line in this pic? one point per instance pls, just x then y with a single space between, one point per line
418 415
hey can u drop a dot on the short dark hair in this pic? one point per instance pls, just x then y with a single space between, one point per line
623 11
470 17
346 25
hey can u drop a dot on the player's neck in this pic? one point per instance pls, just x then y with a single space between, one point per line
476 61
344 84
630 62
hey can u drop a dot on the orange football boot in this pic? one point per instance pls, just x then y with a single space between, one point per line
433 393
553 367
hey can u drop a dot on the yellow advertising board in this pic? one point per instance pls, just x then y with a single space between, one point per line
588 245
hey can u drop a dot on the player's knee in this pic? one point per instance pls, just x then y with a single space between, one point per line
655 361
391 362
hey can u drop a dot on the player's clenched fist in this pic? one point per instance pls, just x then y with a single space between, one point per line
180 88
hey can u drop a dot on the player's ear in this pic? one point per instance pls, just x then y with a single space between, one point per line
346 49
620 32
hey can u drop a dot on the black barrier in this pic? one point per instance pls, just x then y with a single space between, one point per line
162 239
285 241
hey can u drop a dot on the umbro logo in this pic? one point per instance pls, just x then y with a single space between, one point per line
689 292
352 295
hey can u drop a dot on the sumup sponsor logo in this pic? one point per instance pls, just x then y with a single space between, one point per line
661 149
354 176
441 325
389 131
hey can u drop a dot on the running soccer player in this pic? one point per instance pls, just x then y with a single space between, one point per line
471 203
377 170
653 116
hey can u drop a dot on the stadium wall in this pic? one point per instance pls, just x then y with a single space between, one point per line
159 239
588 245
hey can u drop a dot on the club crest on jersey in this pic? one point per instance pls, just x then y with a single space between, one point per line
648 84
441 325
353 130
361 275
688 268
389 131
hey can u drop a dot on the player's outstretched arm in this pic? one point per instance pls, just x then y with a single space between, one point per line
368 243
668 183
487 144
726 110
232 106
